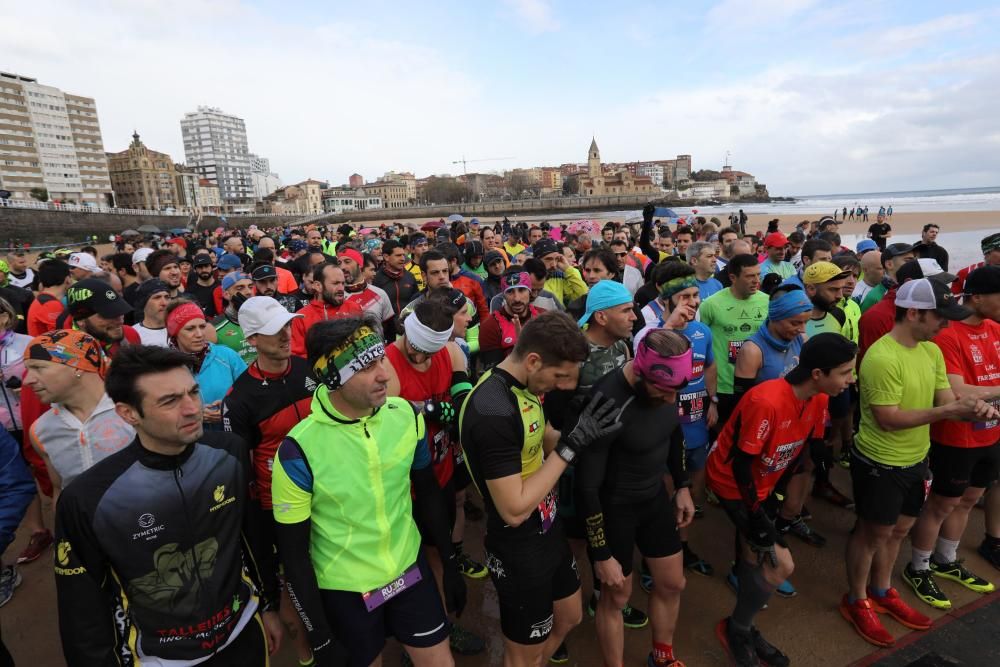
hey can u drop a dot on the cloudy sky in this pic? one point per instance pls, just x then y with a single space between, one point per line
811 96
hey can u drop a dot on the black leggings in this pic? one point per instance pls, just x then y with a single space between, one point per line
249 649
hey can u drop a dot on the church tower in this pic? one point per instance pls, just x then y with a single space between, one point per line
594 160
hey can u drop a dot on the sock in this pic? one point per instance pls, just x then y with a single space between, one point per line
946 551
458 547
921 560
878 592
754 593
662 653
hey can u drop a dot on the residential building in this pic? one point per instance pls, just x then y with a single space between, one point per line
262 179
551 181
209 196
620 182
653 171
393 194
143 178
343 200
215 145
715 189
744 182
406 178
51 139
188 190
356 181
305 198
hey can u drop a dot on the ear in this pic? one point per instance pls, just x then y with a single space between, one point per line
532 362
128 414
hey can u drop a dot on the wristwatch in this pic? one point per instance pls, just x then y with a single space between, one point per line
715 399
566 453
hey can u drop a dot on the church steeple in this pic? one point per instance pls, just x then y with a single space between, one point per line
594 159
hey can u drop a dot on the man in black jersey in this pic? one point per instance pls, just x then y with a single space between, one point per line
623 497
505 438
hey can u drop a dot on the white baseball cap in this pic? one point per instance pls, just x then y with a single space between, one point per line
927 294
141 255
930 268
85 261
263 315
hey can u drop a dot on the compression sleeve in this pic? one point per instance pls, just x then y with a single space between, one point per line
743 385
743 475
676 460
646 243
590 470
259 553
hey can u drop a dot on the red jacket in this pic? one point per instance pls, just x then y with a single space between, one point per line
876 322
318 311
473 289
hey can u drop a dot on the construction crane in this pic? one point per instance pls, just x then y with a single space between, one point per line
463 162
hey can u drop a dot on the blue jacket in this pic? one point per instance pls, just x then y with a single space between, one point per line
17 488
218 372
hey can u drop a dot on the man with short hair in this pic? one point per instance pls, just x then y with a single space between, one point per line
202 288
894 256
701 256
216 568
991 257
499 332
163 264
727 237
53 279
683 237
562 280
393 278
813 250
371 299
964 456
872 273
928 246
775 245
238 287
904 389
879 232
627 275
20 275
329 302
152 298
94 308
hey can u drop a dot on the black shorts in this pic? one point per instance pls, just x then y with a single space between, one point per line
882 493
530 574
415 618
957 468
448 491
737 512
840 405
460 477
649 525
248 649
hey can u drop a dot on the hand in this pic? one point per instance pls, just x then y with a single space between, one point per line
713 413
647 212
970 407
516 321
762 537
684 506
273 630
442 412
609 572
454 587
679 317
561 263
597 420
212 412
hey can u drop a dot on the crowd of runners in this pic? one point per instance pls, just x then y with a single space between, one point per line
266 435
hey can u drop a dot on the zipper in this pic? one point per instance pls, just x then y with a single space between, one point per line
178 474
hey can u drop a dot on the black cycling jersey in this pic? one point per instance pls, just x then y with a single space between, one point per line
628 467
160 557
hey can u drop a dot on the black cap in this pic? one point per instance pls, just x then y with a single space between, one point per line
895 250
146 290
544 226
91 296
492 256
543 247
473 249
202 260
823 351
984 280
264 272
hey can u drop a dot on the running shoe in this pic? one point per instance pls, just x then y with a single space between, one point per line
768 653
738 645
801 530
464 642
561 656
472 511
696 563
40 541
786 590
844 460
631 617
471 568
958 572
892 604
652 663
861 614
923 584
826 491
10 579
991 552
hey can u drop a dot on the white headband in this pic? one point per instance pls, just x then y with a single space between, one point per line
422 337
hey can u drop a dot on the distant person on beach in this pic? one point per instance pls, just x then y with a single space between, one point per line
928 247
843 216
743 223
879 232
889 211
853 208
865 214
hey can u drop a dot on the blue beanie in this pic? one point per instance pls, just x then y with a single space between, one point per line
605 294
788 304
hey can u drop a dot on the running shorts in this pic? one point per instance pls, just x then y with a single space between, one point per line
448 491
649 525
882 493
529 575
957 468
696 457
415 618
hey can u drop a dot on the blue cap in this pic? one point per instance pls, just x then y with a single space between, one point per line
229 262
865 245
298 245
231 279
605 294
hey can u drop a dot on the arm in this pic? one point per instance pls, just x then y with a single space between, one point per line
748 363
257 550
645 238
590 474
17 489
676 460
479 299
516 498
472 334
961 389
946 406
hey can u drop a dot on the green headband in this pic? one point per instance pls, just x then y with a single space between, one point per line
675 285
363 348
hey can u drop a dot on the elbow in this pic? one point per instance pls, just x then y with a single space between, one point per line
514 520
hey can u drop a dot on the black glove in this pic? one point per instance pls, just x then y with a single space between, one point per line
597 420
442 412
762 536
454 587
647 213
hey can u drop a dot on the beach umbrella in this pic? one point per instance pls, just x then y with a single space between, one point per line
591 227
455 217
661 212
149 229
131 232
431 226
179 230
367 230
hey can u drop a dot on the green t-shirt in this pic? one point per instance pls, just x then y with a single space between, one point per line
892 374
231 335
827 324
732 321
874 295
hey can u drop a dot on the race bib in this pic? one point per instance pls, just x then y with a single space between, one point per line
547 510
377 597
734 349
691 406
983 426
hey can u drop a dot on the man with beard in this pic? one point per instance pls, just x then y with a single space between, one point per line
238 287
371 299
265 283
329 303
501 328
203 287
163 264
152 298
393 278
286 283
94 308
624 500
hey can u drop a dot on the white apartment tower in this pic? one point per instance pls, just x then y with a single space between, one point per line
51 139
215 146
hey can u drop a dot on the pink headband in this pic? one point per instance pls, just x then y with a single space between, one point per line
664 373
180 316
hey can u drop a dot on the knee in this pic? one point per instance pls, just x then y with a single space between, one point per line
899 533
672 585
617 597
969 500
566 621
942 506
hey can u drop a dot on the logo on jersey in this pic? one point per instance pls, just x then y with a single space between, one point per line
219 495
763 428
977 354
146 520
62 552
310 384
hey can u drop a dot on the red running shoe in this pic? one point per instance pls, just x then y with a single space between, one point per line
40 541
862 616
893 605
